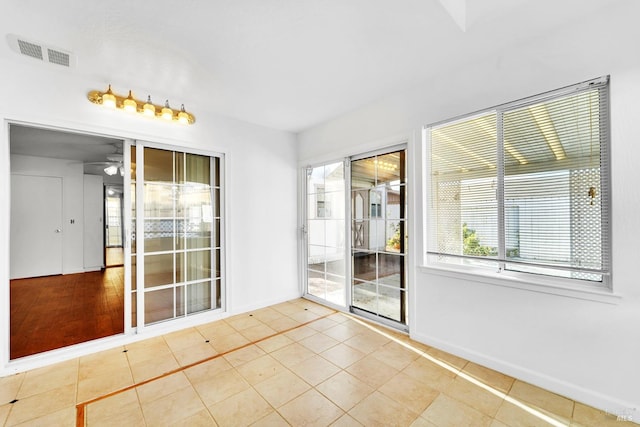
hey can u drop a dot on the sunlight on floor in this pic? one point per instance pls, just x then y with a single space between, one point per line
467 377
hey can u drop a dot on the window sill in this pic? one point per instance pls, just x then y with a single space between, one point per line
523 281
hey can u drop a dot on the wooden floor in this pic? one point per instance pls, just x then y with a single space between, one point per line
57 311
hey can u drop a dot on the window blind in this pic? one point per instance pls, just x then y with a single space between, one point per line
525 186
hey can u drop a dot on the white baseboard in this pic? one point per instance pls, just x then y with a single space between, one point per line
266 303
623 409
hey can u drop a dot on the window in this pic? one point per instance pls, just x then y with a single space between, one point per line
524 187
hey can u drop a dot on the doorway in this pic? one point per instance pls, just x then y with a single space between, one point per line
171 210
60 292
113 225
367 272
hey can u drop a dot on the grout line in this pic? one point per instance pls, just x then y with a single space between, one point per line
81 407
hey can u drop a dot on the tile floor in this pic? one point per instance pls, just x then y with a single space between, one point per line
295 363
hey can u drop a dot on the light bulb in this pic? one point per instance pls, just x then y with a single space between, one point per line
130 104
111 170
109 99
149 109
183 117
167 112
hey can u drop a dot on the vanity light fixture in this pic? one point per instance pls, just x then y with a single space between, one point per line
132 105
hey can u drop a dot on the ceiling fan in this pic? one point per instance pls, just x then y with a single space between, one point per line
113 164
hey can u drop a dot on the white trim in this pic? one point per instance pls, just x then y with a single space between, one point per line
412 222
139 235
5 229
523 281
126 213
348 234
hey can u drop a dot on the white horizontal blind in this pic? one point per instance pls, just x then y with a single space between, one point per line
464 221
535 200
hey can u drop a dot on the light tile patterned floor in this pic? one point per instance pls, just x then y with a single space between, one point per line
295 363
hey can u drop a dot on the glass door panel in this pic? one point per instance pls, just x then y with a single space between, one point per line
325 226
378 236
181 227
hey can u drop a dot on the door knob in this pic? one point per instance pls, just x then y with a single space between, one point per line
58 230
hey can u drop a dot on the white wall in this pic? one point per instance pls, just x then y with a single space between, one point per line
585 349
261 179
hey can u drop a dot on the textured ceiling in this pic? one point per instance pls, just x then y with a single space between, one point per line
286 64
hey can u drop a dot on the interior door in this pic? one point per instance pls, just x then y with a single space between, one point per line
378 218
36 226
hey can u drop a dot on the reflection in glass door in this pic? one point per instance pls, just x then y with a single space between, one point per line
378 261
325 226
178 227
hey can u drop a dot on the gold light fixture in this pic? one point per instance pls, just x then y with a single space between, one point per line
130 104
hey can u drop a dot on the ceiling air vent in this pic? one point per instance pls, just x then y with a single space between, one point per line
30 49
37 50
57 57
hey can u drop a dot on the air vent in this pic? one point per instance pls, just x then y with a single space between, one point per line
57 57
36 50
30 49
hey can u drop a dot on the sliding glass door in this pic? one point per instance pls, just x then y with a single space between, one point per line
177 218
378 218
325 226
360 263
